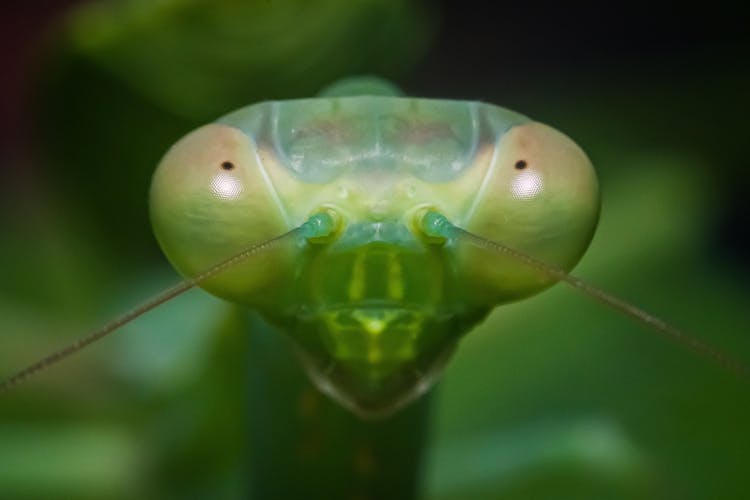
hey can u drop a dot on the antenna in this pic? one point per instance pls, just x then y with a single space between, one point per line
150 304
438 226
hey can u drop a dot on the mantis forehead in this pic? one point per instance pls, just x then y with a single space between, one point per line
320 140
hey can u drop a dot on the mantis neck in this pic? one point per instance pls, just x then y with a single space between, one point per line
302 445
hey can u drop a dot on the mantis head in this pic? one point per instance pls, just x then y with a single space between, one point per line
375 299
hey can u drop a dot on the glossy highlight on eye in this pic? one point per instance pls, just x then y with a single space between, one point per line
526 185
226 186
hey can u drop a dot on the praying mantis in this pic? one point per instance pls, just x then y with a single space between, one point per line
253 270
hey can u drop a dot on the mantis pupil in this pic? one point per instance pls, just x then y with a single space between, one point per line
521 164
227 165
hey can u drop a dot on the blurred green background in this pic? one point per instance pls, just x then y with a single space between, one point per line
554 397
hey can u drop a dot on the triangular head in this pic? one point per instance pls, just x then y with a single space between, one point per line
374 303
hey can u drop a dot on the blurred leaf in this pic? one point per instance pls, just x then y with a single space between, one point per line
63 461
588 459
201 58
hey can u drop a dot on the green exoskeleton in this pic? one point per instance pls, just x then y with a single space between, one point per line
374 230
374 298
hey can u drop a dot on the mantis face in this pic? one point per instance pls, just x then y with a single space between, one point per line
375 301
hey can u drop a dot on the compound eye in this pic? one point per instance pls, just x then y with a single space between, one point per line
209 200
226 184
541 198
527 183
